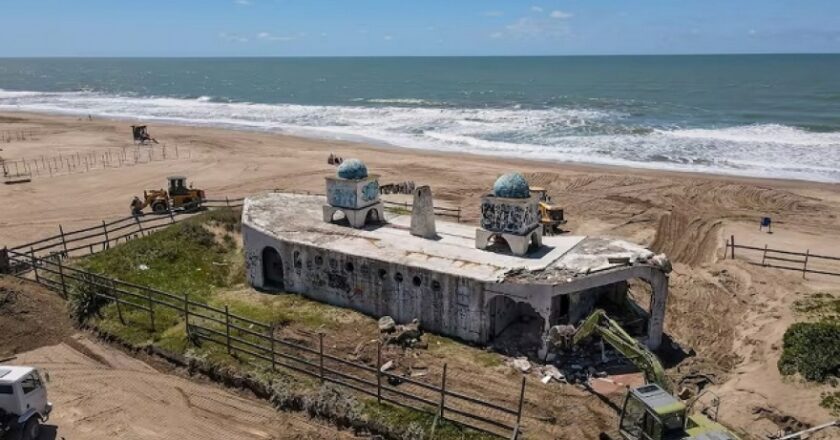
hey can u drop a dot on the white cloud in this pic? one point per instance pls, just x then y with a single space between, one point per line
536 9
267 36
242 2
560 14
533 28
752 32
233 38
493 13
388 38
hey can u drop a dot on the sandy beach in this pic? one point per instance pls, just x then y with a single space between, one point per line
731 313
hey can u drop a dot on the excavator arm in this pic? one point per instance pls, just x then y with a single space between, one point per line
612 333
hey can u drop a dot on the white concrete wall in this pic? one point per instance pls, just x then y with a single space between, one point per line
443 303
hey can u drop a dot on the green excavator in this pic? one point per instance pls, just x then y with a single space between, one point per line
649 412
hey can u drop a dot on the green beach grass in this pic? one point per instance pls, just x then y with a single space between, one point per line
200 257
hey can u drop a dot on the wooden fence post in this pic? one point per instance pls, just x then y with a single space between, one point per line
151 309
378 372
61 276
139 225
117 300
732 243
273 360
805 263
521 403
227 201
34 265
107 243
63 240
187 315
5 262
764 256
321 354
442 392
227 329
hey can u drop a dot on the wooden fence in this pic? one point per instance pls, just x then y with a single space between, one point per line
255 342
105 234
44 166
439 210
804 262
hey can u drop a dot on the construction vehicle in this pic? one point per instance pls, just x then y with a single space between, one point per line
141 135
649 412
551 216
23 403
178 196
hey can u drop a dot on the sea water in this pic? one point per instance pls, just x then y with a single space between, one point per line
773 116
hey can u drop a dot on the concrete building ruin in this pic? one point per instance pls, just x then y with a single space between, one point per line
459 282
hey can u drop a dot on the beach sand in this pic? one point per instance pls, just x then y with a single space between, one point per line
732 313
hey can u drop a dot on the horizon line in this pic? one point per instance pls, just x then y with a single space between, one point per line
418 56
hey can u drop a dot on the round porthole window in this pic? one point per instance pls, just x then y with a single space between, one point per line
398 277
417 281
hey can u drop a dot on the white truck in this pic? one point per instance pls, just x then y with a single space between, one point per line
23 403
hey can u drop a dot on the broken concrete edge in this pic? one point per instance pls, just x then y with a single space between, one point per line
224 376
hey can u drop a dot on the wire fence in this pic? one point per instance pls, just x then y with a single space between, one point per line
255 342
804 262
48 166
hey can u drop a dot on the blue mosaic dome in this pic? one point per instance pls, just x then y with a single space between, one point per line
511 186
352 169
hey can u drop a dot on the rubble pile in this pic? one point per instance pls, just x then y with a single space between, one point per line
406 335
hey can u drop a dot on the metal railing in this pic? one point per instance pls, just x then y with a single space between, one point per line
787 260
255 341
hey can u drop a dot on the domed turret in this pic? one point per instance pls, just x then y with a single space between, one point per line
511 186
353 169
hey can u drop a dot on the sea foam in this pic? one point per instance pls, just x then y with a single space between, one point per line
549 134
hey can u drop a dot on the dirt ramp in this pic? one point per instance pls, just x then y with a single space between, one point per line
686 239
30 317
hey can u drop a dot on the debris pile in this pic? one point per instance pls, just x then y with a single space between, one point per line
407 335
397 188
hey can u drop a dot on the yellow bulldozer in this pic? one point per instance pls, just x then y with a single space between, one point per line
177 197
551 216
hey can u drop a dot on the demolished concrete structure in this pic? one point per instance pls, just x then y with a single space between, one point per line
447 283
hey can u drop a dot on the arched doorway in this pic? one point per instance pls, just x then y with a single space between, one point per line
372 217
497 243
515 327
272 268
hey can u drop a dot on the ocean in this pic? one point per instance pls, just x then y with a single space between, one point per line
774 116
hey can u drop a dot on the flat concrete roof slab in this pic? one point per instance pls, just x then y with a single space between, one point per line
298 218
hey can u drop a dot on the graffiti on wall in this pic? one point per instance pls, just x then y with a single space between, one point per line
508 218
344 197
370 191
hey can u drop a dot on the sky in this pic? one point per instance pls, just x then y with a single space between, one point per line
415 28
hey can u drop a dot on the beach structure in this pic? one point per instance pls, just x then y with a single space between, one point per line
354 194
443 273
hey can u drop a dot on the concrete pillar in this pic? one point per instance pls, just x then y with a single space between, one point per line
658 299
423 213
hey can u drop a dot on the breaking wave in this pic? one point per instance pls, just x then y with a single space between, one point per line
554 133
